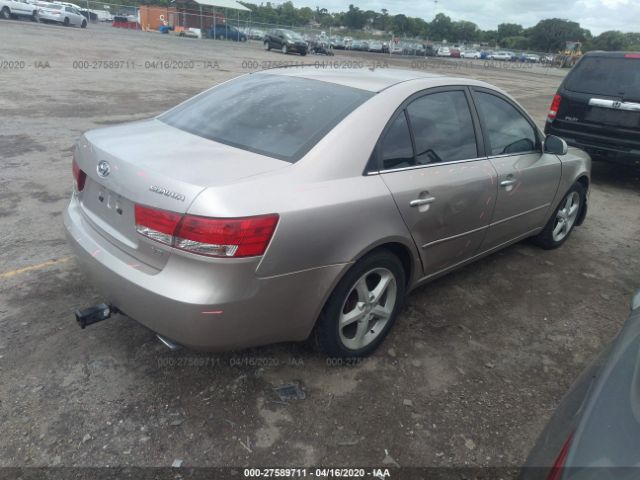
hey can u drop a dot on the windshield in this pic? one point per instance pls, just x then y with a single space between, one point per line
275 115
615 77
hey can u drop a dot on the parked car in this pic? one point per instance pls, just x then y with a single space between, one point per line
471 54
287 41
429 51
338 43
256 34
531 58
455 53
396 49
597 107
486 54
227 32
18 8
376 47
593 432
57 13
278 226
502 56
444 52
359 45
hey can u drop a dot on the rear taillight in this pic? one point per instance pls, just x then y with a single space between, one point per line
632 55
556 470
79 176
213 237
555 106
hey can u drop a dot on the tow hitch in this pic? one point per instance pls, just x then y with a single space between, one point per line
94 314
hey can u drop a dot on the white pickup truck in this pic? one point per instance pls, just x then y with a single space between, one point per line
18 8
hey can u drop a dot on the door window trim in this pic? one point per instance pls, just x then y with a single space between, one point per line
374 165
487 141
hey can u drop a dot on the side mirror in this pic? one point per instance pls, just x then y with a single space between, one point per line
555 145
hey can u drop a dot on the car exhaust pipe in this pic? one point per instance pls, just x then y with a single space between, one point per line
94 314
168 343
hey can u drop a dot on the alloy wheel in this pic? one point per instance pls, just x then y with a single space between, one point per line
566 216
367 308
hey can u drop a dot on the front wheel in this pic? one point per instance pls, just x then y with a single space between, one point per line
35 17
285 50
564 218
66 22
5 13
363 306
267 46
84 24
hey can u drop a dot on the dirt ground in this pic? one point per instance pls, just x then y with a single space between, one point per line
468 377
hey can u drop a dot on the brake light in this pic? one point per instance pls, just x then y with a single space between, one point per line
79 175
558 465
213 237
555 106
632 55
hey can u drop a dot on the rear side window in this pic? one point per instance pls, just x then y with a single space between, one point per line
442 128
274 115
396 149
508 130
615 77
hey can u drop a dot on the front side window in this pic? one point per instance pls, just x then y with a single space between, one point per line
275 115
442 128
508 130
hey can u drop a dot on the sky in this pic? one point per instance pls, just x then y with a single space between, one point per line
596 15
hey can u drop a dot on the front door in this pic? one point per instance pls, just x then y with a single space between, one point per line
432 163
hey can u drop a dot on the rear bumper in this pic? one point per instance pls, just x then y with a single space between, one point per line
205 304
599 146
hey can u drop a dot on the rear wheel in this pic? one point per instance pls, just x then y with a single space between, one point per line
5 13
84 24
267 46
564 218
285 50
35 17
363 306
66 21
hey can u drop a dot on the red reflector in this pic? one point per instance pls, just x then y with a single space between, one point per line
79 176
555 106
226 237
558 465
632 55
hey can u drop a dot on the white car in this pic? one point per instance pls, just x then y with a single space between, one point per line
503 56
470 54
55 12
443 52
18 8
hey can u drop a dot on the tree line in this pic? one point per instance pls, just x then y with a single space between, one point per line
549 35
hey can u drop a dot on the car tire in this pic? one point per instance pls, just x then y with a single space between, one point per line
284 49
66 22
303 53
5 13
84 24
220 37
267 46
563 220
336 333
35 17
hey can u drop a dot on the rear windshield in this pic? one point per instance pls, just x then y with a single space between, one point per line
274 115
616 77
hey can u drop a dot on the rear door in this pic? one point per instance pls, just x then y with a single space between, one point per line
601 96
527 178
431 159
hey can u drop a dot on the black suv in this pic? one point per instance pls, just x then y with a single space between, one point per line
286 41
597 107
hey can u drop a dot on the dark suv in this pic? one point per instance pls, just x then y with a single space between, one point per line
227 32
597 107
287 41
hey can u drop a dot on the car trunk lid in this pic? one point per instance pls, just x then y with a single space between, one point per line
151 163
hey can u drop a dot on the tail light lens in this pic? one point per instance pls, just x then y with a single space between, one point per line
556 470
213 237
79 176
555 106
632 55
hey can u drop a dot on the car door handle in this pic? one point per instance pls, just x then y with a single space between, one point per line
419 202
507 183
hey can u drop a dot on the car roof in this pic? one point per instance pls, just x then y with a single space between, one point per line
374 80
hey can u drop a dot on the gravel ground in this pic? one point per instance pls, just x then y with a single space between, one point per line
468 377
